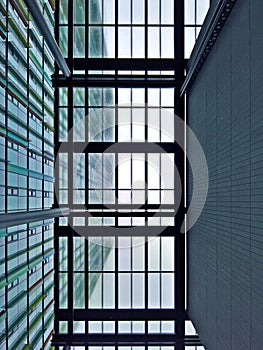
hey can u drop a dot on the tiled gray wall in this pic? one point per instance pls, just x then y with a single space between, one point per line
225 110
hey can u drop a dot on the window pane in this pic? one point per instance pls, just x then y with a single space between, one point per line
167 171
153 42
154 290
167 40
189 41
124 290
63 124
95 42
79 124
138 290
79 290
79 42
63 40
79 11
189 11
138 16
124 11
167 11
138 253
108 290
154 254
63 11
201 10
153 11
124 254
167 290
109 42
109 11
154 171
124 168
95 290
138 43
167 253
95 11
124 44
63 290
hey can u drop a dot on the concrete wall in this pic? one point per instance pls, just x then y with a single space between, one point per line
225 110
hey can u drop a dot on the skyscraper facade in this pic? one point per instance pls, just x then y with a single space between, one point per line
26 178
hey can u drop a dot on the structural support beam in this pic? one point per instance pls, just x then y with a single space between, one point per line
44 29
115 81
123 339
147 64
120 315
25 217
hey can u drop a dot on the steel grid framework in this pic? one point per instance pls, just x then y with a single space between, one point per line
178 314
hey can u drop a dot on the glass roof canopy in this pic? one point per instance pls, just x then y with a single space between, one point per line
120 266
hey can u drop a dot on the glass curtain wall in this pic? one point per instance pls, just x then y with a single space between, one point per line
120 262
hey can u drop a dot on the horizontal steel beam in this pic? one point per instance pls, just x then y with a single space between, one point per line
114 81
122 147
104 231
25 217
123 339
121 314
129 64
36 12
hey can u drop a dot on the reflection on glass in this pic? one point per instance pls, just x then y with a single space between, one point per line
79 42
95 40
79 11
79 290
63 40
95 11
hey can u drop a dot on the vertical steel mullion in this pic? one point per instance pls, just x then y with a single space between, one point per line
179 158
116 279
86 279
131 273
146 29
116 31
131 155
56 204
160 27
160 271
86 256
70 35
131 26
101 270
116 154
146 186
160 181
102 30
146 113
146 247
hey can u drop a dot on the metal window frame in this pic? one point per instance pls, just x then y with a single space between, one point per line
179 313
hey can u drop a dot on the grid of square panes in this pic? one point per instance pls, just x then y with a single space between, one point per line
141 178
118 28
194 15
139 263
129 117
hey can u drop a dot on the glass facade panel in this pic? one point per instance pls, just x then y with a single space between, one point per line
123 187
